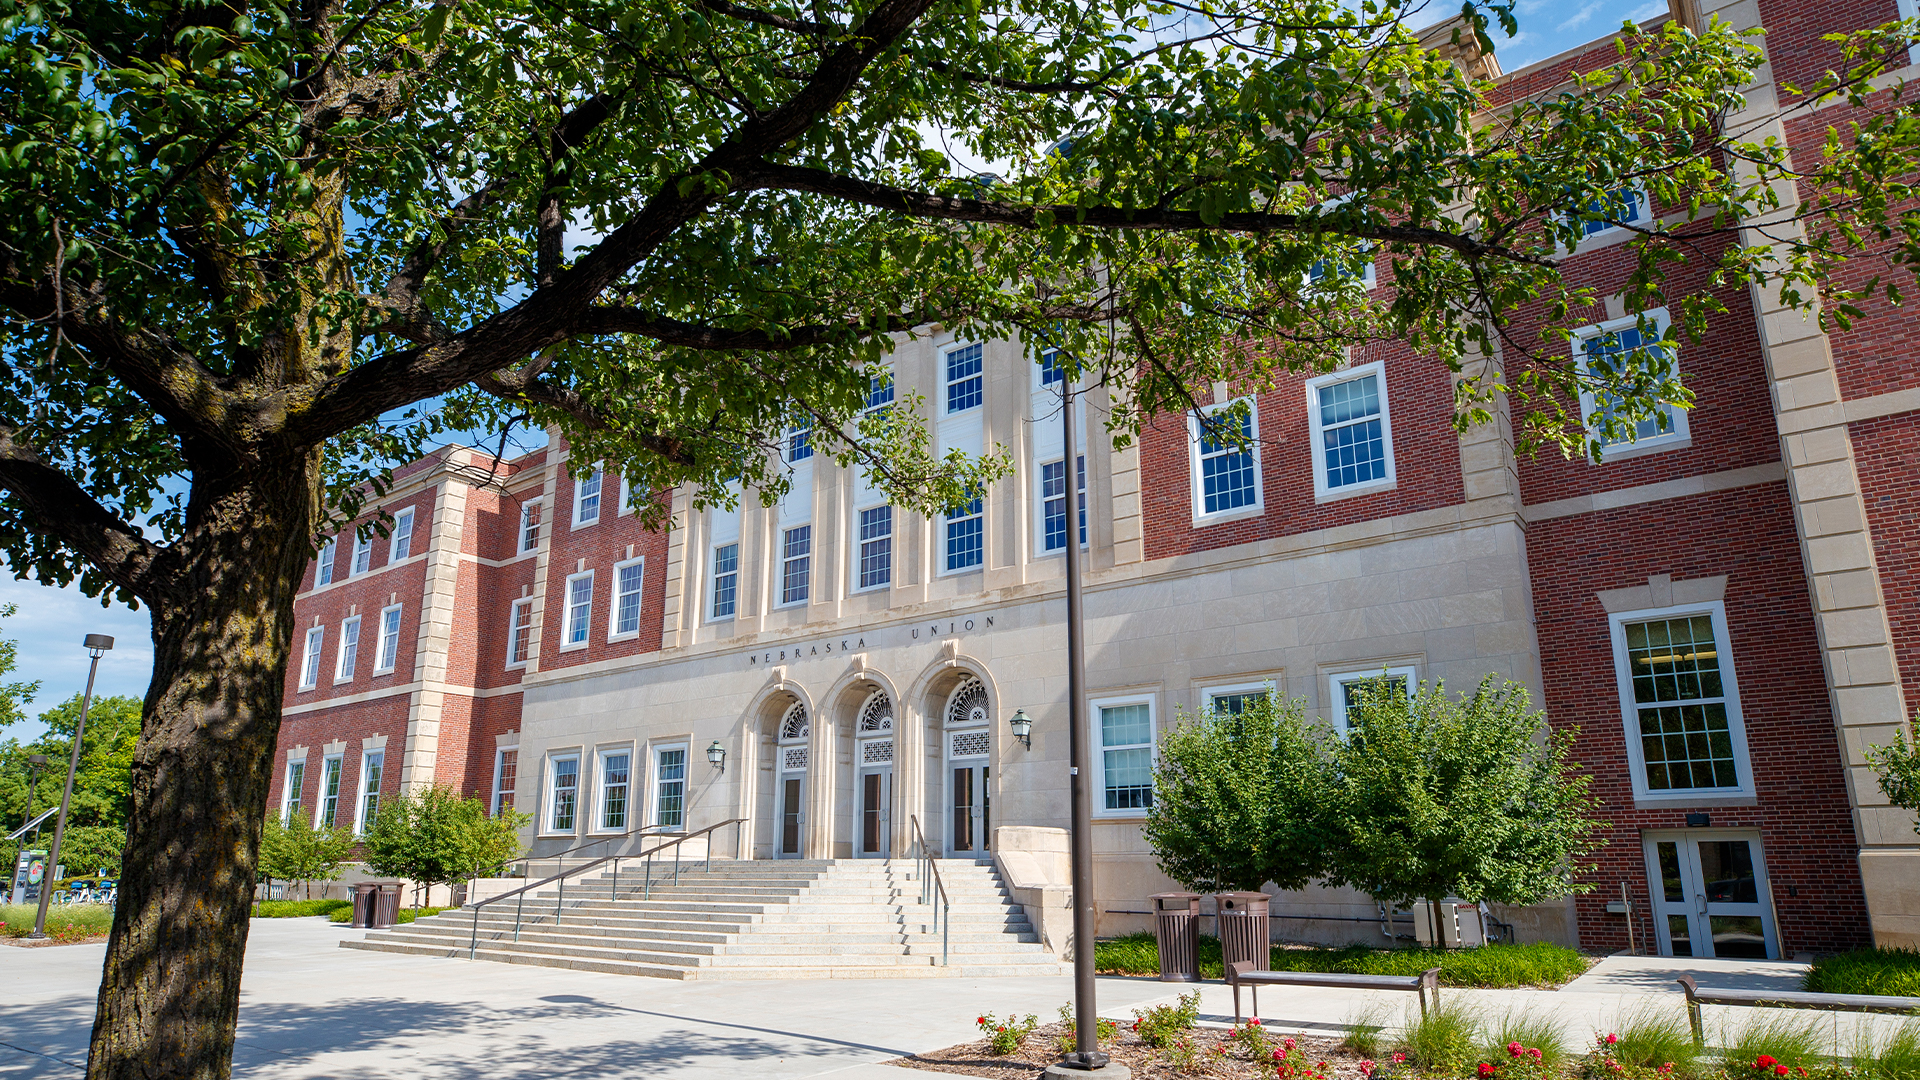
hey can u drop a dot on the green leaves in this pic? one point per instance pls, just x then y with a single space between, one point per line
433 835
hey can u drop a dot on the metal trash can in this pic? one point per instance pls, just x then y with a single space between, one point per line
1176 927
363 897
386 906
1244 932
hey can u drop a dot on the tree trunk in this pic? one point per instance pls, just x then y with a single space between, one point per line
170 993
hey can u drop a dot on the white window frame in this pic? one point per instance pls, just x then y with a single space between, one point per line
947 381
519 610
1337 687
332 765
799 443
1630 714
1678 433
780 569
653 783
290 790
1369 276
875 385
360 794
713 583
310 657
1269 687
362 556
598 476
346 658
614 633
601 787
1040 381
551 794
402 534
626 498
1197 481
1611 232
858 547
499 760
323 562
1099 749
1910 9
1316 433
387 648
530 509
946 539
568 642
1040 501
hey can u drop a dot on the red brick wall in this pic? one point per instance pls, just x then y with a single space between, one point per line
1887 458
349 724
1795 29
366 593
601 545
1802 811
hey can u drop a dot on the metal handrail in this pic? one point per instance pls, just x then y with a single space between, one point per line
473 940
932 885
559 856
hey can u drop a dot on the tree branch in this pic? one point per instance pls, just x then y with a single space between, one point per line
524 385
56 505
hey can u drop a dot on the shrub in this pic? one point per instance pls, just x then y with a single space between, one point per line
1185 1058
1443 1040
300 909
1005 1036
1649 1041
1068 1041
1491 966
404 915
1250 1039
1894 972
1160 1025
1290 1064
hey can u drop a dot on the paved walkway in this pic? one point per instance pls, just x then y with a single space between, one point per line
311 1009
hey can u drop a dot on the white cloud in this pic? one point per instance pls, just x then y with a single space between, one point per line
1579 18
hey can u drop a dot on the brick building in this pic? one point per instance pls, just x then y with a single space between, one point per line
1727 609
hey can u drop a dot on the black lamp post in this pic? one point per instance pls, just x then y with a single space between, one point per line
97 646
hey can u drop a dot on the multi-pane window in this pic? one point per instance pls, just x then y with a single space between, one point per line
1347 691
1351 436
1684 709
1126 756
615 771
796 559
800 442
296 780
1607 353
966 535
876 547
349 650
372 763
530 526
323 563
1228 474
362 554
506 777
1053 503
520 632
1052 371
726 579
670 787
402 539
310 659
389 651
586 497
579 607
626 596
565 794
966 381
1616 209
329 793
1233 700
879 391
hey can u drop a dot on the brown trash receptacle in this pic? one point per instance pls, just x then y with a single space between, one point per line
363 897
386 907
1244 932
1176 927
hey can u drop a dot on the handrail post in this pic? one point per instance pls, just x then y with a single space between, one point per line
615 894
649 893
562 898
519 912
473 942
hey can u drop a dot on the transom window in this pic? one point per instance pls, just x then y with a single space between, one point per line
726 579
1609 351
966 381
1126 756
1352 436
876 547
1227 476
1683 711
966 535
627 578
796 560
586 497
579 607
1053 503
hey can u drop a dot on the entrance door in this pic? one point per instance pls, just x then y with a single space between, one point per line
793 815
1710 895
970 827
876 814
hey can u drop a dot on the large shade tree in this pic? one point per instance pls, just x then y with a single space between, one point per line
251 253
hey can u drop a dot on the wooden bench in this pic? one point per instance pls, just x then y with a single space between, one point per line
1787 999
1427 982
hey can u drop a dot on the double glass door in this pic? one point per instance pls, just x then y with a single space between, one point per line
1710 895
969 805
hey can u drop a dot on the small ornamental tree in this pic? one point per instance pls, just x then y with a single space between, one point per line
298 851
1898 767
433 835
1237 799
1434 796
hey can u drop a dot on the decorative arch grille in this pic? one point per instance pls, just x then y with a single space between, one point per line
877 714
794 726
968 705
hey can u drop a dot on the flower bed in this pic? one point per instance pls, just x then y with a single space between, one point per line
67 924
1490 966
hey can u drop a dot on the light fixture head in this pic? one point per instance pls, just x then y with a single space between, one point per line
1022 725
717 756
37 761
98 643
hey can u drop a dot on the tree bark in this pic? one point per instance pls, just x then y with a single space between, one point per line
170 993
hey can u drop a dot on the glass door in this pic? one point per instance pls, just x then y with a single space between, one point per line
969 810
792 816
876 816
1710 896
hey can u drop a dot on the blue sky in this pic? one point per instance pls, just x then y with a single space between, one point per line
1548 27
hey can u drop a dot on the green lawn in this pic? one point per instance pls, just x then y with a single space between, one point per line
65 922
300 909
1894 972
1538 964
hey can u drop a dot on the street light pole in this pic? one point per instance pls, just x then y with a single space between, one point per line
97 646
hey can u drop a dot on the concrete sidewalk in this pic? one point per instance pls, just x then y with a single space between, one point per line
311 1009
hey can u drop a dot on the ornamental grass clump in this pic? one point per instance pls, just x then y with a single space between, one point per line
1442 1041
1005 1036
1652 1040
1888 1055
1161 1025
1892 972
1771 1044
1530 1030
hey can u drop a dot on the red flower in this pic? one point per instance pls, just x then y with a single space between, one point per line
1612 1038
1253 1022
1487 1069
1765 1061
1780 1070
1399 1058
981 1020
1513 1049
1536 1053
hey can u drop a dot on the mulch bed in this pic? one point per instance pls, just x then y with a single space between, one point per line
1147 1063
41 943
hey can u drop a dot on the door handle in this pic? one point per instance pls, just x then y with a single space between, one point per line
1700 902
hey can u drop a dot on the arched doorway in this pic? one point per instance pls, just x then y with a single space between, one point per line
873 778
790 784
967 741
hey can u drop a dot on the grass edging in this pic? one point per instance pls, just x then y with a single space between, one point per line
1488 966
300 909
1889 972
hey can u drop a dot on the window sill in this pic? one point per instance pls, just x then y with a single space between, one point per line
307 689
1709 798
573 646
583 524
974 569
628 635
377 672
1321 497
1642 449
1238 513
515 665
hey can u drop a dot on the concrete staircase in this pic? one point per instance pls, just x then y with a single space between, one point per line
751 919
